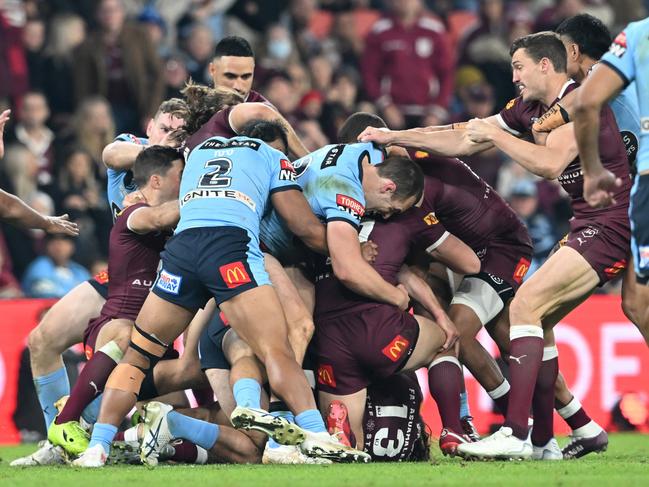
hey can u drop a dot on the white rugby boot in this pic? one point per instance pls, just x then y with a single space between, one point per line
47 454
288 455
501 445
156 432
324 445
549 451
93 457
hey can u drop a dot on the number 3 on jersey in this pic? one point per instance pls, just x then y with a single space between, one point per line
218 178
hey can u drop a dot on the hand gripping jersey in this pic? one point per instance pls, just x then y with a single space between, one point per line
120 183
627 57
332 181
227 182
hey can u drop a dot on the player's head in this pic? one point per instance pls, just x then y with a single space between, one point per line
355 124
170 116
157 171
584 36
421 445
270 131
536 60
392 186
233 65
203 102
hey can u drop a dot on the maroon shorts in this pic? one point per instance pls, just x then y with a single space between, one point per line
508 256
604 243
362 345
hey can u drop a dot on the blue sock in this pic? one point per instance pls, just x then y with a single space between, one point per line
288 416
464 405
311 420
91 412
199 432
103 434
50 388
247 393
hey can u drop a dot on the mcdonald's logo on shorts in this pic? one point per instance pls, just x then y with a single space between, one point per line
521 269
234 274
395 349
326 376
616 268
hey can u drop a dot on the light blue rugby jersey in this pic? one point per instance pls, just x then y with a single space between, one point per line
120 183
629 57
227 182
331 179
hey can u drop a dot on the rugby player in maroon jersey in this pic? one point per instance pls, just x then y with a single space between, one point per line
595 251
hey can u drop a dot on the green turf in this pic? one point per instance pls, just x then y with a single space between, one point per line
625 464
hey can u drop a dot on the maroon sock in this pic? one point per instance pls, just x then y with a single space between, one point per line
502 402
543 400
119 436
185 452
89 385
577 419
526 352
445 384
204 397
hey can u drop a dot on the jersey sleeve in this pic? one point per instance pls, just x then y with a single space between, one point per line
430 233
341 199
132 139
510 117
620 56
283 175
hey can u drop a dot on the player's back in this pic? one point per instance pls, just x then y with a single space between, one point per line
227 182
393 428
132 265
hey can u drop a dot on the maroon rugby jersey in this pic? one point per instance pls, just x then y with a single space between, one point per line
391 423
219 123
519 116
132 265
394 238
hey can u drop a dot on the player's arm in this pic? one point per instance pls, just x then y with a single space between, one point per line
422 293
4 118
547 161
120 155
154 218
16 212
447 143
353 271
244 112
456 255
294 209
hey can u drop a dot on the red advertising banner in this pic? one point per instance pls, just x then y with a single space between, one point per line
601 355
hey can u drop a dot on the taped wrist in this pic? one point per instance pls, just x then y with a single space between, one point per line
459 125
555 117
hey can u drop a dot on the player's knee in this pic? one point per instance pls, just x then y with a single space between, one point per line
301 331
522 310
36 341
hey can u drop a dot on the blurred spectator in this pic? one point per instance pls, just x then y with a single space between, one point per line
119 62
14 78
33 42
66 33
207 12
321 73
278 49
199 50
258 14
311 134
175 76
156 29
552 16
9 286
408 66
279 91
308 25
32 132
54 274
524 201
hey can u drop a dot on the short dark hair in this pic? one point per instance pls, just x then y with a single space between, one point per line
405 174
233 46
266 130
156 159
175 107
588 32
543 44
355 124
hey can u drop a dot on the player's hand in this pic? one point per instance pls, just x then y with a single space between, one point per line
599 188
404 299
173 138
61 224
4 118
382 136
449 328
480 131
369 250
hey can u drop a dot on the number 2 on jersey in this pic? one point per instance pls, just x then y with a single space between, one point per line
218 178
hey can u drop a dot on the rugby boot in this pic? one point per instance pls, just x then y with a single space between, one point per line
288 455
338 423
468 428
449 441
549 451
124 453
579 446
501 445
156 432
70 436
47 454
94 457
278 428
324 445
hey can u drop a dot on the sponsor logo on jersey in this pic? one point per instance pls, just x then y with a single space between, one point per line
521 269
644 125
231 194
396 348
510 104
101 277
420 154
631 144
618 48
326 376
301 165
497 280
350 205
168 282
234 274
331 159
142 283
286 171
616 268
231 144
431 219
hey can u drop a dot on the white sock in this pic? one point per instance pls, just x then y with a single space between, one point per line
500 391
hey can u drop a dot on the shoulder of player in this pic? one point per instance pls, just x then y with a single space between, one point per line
382 25
125 213
431 24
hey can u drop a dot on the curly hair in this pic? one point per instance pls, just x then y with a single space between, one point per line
203 102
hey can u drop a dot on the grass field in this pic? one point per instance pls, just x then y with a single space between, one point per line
625 464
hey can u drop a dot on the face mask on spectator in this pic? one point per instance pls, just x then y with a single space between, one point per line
279 49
